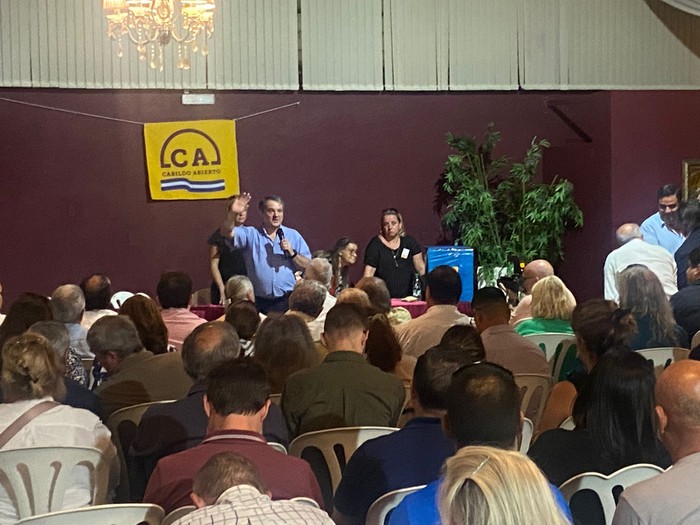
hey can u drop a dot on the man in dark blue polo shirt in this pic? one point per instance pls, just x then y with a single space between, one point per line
413 455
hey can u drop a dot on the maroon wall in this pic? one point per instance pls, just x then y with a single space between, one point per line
652 132
74 192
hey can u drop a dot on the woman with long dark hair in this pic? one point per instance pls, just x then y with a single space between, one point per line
616 428
343 255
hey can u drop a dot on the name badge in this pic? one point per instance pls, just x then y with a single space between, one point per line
404 253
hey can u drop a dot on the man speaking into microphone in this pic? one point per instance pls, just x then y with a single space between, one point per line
272 253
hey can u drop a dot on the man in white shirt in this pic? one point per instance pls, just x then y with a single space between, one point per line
633 250
97 290
67 307
443 288
320 270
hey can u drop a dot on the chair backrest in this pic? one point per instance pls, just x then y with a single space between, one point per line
120 514
276 399
118 299
382 506
336 445
558 348
534 390
201 297
40 476
609 487
279 447
568 423
663 356
306 501
122 423
178 513
526 436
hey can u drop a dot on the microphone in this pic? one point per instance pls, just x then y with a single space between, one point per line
280 234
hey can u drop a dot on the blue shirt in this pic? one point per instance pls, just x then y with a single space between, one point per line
412 456
270 270
655 231
421 508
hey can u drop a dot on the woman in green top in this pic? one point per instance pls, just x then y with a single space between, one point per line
552 306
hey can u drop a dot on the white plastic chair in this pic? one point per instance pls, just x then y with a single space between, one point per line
276 399
119 514
382 506
349 438
118 299
534 390
604 485
40 476
178 513
556 348
306 501
663 356
279 447
122 436
526 436
568 424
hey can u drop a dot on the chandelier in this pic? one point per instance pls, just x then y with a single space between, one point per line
153 24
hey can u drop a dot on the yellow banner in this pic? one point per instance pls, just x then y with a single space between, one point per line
191 160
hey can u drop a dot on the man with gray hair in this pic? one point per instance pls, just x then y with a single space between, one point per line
633 250
319 269
67 307
306 302
135 374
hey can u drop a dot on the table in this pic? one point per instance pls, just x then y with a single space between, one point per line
210 312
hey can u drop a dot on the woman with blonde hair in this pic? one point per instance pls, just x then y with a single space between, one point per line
643 295
485 485
552 306
32 380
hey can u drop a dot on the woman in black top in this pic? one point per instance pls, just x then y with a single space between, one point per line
394 256
225 261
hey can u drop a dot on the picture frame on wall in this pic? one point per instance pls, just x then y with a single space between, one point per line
691 179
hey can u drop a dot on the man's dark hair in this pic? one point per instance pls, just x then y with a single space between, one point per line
668 190
174 290
344 318
444 285
238 386
483 406
97 290
244 317
694 257
276 198
209 345
488 296
433 373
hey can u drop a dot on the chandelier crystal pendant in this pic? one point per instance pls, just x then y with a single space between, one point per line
153 24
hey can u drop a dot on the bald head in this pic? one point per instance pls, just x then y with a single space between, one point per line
534 271
627 232
678 408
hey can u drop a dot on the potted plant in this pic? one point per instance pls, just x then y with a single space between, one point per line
497 208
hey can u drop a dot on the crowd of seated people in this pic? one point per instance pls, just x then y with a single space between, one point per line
343 356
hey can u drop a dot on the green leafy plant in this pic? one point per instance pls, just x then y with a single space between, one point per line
496 207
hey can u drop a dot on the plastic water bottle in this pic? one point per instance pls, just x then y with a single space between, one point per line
417 292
